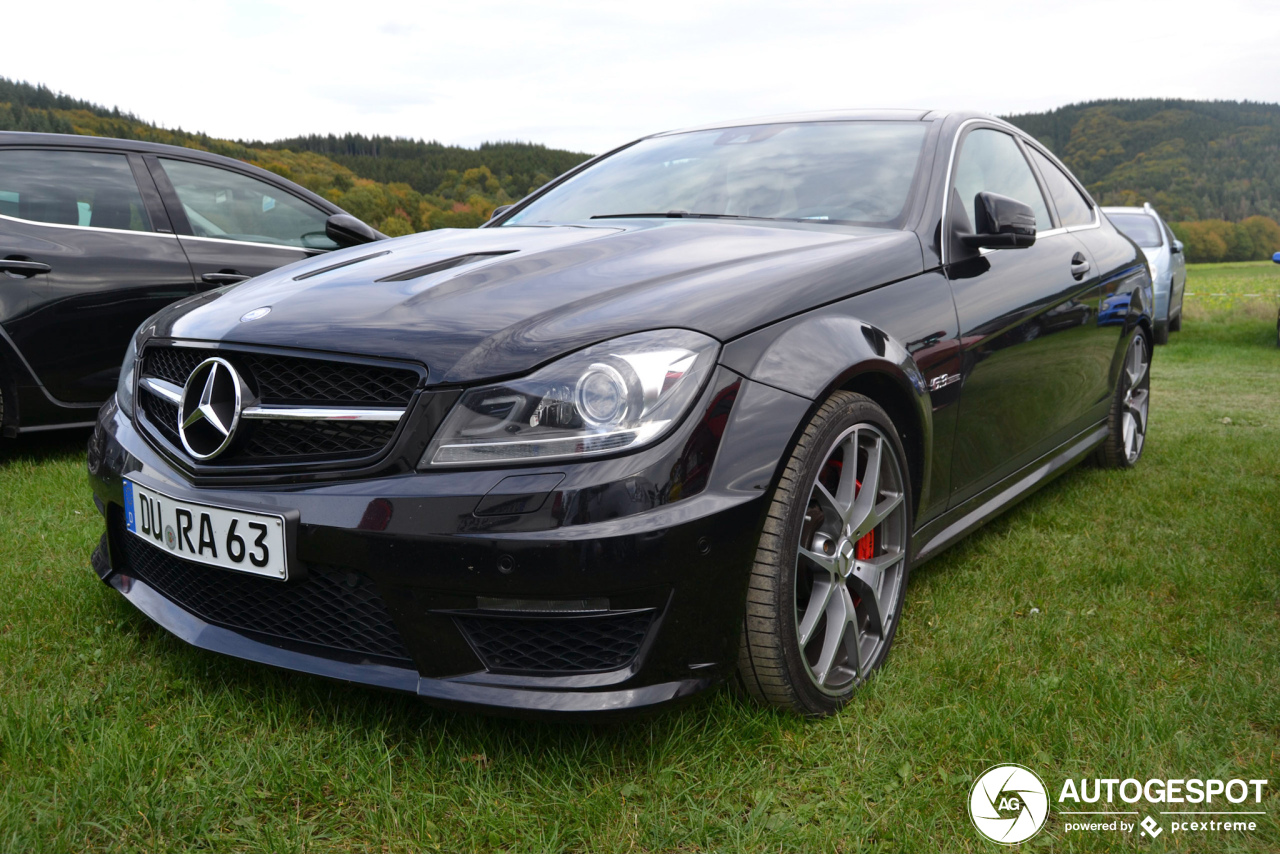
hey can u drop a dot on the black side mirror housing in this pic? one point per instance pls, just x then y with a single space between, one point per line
345 230
499 211
1003 223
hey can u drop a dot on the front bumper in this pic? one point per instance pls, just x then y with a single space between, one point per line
621 588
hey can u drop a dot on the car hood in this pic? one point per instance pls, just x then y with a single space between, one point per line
551 291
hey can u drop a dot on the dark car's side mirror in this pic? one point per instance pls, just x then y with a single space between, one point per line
345 230
1276 257
1002 223
499 211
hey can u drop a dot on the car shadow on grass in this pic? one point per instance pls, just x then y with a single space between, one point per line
37 448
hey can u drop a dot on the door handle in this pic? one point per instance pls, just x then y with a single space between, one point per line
224 277
1079 266
25 269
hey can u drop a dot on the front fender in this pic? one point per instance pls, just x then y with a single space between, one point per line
812 357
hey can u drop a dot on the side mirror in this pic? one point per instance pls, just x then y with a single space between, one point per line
499 211
1276 257
1177 246
345 230
1003 223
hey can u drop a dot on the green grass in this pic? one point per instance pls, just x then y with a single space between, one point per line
1154 652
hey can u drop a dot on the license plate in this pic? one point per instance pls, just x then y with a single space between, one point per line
216 536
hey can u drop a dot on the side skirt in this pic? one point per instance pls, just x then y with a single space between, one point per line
953 525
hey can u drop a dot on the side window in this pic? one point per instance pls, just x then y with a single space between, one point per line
991 162
94 189
1073 208
230 206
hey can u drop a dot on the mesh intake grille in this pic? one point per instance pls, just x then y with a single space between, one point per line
290 379
557 644
163 415
273 439
330 608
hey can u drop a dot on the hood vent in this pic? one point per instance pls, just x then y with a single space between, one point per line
437 266
340 265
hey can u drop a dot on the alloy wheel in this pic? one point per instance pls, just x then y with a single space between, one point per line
851 559
1136 400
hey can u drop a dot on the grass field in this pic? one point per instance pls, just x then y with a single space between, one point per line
1114 625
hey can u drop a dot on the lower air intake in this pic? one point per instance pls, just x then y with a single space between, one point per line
331 608
544 645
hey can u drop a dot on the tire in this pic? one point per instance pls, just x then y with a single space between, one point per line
1127 420
816 562
1161 333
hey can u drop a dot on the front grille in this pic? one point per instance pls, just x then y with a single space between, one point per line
278 380
534 644
330 608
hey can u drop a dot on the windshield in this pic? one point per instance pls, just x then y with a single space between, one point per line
847 172
1140 228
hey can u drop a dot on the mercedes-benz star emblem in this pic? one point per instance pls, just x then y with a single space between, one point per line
210 411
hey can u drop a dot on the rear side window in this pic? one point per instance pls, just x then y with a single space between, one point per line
991 162
1140 228
85 188
230 206
1073 208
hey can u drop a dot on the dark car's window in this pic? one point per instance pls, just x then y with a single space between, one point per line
1073 208
230 206
1140 228
88 188
856 172
991 162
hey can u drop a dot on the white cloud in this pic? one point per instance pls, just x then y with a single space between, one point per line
589 75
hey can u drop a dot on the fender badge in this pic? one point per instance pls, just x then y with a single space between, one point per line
255 314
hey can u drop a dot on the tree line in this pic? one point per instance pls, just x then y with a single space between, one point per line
1212 168
1210 241
1193 160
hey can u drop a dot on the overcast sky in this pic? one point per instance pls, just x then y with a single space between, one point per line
590 75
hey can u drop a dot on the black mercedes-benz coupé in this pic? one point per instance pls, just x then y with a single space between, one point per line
690 411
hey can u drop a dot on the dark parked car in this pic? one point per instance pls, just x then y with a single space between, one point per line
694 408
98 234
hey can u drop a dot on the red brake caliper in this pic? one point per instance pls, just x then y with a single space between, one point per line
865 548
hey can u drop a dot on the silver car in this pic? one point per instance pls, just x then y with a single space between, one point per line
1164 255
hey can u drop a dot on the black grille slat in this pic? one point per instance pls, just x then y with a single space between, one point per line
274 439
313 381
173 364
330 608
557 644
294 380
163 415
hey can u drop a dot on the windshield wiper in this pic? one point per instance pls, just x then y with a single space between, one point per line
679 215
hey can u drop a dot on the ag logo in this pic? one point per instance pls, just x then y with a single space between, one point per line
1008 804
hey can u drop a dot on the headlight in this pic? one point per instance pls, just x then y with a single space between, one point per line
124 386
616 396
